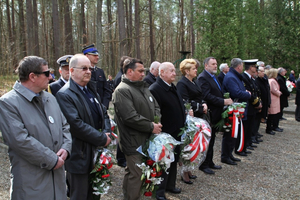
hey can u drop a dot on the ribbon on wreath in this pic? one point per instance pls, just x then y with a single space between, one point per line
236 119
105 159
199 144
166 156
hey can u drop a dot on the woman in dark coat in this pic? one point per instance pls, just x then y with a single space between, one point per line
190 92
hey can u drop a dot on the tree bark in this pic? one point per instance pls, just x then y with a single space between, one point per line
68 29
152 52
82 15
192 28
56 34
122 30
181 3
99 31
137 28
29 22
36 29
22 31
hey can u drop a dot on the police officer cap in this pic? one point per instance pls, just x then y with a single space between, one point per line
64 60
250 62
91 49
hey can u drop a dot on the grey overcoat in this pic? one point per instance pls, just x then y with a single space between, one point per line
33 140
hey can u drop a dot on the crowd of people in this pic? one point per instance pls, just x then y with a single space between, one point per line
50 134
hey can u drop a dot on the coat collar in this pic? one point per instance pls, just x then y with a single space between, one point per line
232 70
27 93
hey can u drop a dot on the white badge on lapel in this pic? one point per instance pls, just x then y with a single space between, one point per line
51 120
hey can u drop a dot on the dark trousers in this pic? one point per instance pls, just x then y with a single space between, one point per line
273 121
80 187
256 122
120 155
210 152
169 181
297 113
228 144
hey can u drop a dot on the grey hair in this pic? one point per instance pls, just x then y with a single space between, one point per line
154 65
268 67
235 62
222 66
280 70
260 63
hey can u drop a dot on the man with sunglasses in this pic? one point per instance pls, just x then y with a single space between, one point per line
63 63
36 133
81 106
98 75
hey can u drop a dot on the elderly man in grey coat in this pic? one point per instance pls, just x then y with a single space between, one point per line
36 133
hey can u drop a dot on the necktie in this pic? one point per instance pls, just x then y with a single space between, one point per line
216 81
89 95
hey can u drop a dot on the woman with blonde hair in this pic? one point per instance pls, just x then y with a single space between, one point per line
191 93
274 110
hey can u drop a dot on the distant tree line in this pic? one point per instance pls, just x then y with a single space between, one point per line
151 30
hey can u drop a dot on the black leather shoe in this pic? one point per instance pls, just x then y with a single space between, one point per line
241 153
270 132
161 198
278 129
187 182
259 135
250 148
235 159
192 176
228 161
215 166
282 118
255 142
253 145
247 152
207 170
259 140
174 190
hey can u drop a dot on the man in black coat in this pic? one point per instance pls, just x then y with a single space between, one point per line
98 75
79 102
153 73
283 89
213 95
253 105
64 74
224 69
173 118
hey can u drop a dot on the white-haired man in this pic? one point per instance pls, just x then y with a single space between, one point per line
224 69
151 77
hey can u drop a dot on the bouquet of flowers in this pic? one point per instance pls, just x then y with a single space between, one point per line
195 137
290 85
158 155
100 176
231 117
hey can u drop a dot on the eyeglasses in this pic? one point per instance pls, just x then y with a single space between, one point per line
47 73
85 68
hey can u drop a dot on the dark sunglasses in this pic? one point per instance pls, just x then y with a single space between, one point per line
47 73
85 68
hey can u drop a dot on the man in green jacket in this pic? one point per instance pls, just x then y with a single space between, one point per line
135 108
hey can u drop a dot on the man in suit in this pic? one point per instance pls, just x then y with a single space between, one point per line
285 93
173 118
80 103
98 75
233 84
213 95
63 63
224 69
151 77
254 105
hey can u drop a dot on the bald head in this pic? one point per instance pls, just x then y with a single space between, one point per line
167 72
